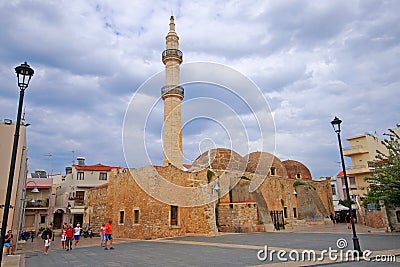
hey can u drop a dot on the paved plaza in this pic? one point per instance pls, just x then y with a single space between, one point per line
239 249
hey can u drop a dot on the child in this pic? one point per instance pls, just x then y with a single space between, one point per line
102 234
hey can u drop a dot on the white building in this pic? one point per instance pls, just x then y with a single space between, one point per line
71 193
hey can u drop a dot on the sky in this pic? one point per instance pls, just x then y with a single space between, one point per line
309 60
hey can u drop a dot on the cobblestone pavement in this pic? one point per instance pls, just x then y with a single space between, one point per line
223 250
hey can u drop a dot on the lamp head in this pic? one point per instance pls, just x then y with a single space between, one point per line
24 75
336 124
35 190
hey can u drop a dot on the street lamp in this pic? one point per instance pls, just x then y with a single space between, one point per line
68 211
215 188
24 75
22 210
336 126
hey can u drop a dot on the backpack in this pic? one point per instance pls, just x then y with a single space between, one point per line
44 234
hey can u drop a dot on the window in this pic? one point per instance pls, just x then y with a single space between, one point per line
294 212
81 176
174 216
298 176
333 190
121 216
136 216
272 171
79 196
42 218
103 176
285 211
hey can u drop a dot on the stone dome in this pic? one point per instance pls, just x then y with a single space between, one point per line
296 170
220 159
263 162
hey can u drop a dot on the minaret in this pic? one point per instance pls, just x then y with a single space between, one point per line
172 94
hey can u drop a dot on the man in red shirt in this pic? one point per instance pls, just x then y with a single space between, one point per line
69 235
108 236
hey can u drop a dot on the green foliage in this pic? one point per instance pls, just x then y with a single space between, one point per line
298 182
210 174
385 182
346 203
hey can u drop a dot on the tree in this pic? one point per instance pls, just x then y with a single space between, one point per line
385 182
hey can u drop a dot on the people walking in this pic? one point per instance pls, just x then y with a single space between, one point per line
108 235
46 236
102 234
348 220
69 236
8 242
77 233
63 236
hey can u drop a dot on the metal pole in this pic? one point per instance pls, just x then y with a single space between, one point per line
356 244
11 173
22 209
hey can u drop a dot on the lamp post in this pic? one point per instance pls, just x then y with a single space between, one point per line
336 126
22 210
24 75
215 187
68 211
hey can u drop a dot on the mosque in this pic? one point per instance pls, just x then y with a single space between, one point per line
222 191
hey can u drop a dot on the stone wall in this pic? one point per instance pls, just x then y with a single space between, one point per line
240 212
237 217
123 194
373 218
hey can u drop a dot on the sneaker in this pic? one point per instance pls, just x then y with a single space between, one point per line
106 248
111 248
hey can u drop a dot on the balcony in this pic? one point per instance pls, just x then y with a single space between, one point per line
354 150
172 90
358 169
38 204
172 54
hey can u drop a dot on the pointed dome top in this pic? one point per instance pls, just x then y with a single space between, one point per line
172 24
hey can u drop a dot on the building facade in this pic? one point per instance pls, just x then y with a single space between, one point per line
7 130
362 152
38 206
70 206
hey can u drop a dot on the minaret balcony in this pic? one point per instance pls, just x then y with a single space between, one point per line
172 90
172 53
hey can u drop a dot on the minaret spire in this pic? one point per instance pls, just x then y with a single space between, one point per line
172 94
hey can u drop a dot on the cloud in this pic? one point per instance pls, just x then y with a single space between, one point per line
311 60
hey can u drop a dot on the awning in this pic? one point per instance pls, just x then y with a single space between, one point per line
341 207
77 211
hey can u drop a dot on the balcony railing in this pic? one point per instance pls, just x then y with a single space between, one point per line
172 90
358 169
358 149
172 53
41 203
